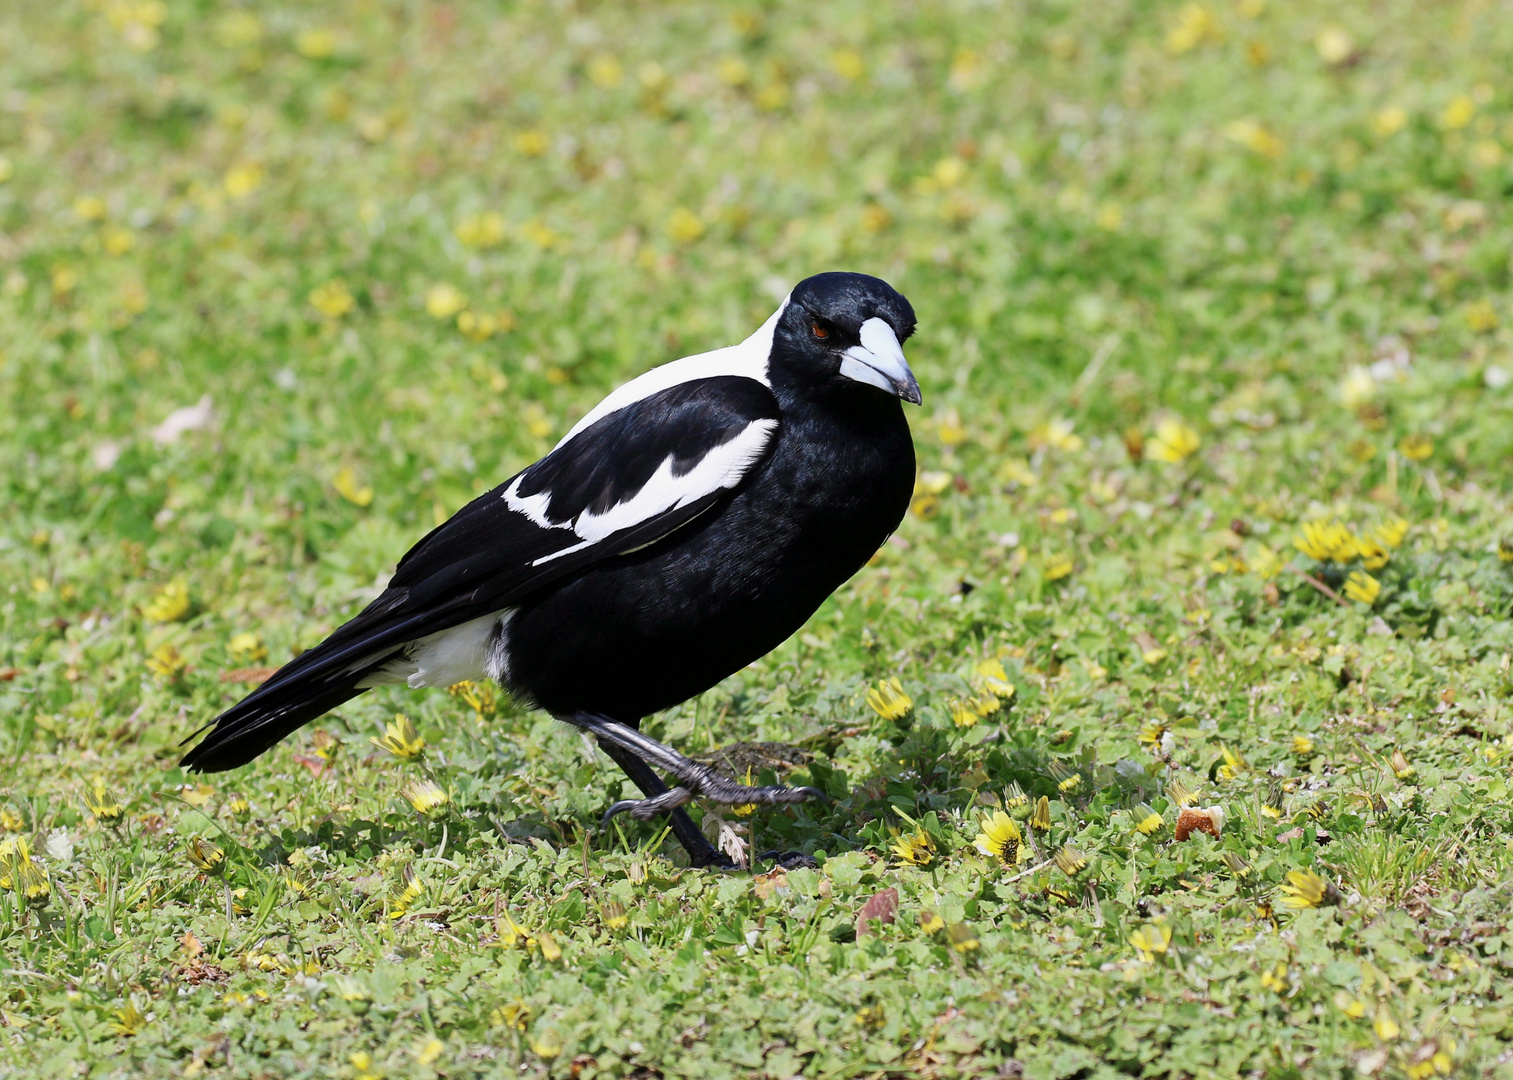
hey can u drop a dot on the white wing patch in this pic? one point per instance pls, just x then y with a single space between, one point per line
749 358
722 467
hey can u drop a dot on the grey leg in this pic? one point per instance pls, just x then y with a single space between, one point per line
694 780
700 851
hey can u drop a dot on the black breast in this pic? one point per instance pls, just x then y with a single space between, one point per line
648 630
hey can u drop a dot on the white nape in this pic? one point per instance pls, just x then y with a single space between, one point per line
448 656
748 359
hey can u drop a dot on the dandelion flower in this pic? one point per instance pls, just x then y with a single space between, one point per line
1373 555
1389 120
1041 817
1152 732
1147 820
1305 889
999 837
1302 746
1385 1024
102 803
405 893
205 856
1505 549
889 701
444 300
1391 533
481 230
18 871
684 226
1070 861
930 922
1057 435
916 848
1180 794
1402 768
1458 113
531 143
167 663
963 715
1362 587
550 950
1233 765
614 915
1237 865
995 679
1416 447
1057 567
170 604
1173 443
332 299
606 71
963 940
1334 45
242 180
1014 797
1326 542
848 64
1481 316
247 646
400 739
349 487
1151 941
426 796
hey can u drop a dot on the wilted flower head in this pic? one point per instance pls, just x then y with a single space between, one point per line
1070 861
1402 768
1041 818
18 871
1147 820
206 857
1305 889
405 893
1014 797
102 803
426 796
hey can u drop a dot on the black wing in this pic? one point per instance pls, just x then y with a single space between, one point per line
625 481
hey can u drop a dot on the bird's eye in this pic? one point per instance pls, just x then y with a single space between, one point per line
820 331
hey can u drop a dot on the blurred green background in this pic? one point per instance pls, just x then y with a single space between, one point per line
282 286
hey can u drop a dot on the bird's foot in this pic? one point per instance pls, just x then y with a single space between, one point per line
789 860
714 788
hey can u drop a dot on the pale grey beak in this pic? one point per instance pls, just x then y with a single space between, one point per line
879 361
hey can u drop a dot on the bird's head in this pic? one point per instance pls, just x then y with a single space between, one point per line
843 327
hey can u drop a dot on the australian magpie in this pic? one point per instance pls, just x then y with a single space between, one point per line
686 526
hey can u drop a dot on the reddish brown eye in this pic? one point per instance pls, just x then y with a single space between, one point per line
819 331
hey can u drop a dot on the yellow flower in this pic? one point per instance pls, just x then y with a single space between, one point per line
1416 447
995 680
400 739
1334 45
1374 556
531 143
1147 821
206 857
917 848
1015 798
247 646
930 922
1151 733
1255 138
331 299
1505 549
733 71
539 233
1057 435
1362 587
1041 817
1402 768
1389 120
1151 941
1458 113
481 230
1193 25
316 43
615 917
18 871
426 796
242 180
848 64
349 487
1180 794
1237 865
889 701
963 940
963 715
606 71
479 696
1385 1024
1302 746
1057 567
444 300
1326 542
1275 979
118 241
102 803
170 604
550 950
1070 861
10 821
745 809
1481 316
1352 1007
999 837
167 663
1233 765
1305 889
405 893
429 1051
1390 533
1173 443
684 225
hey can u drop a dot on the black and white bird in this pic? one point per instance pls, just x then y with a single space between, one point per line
685 527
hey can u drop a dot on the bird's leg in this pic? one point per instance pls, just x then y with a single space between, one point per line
695 780
700 851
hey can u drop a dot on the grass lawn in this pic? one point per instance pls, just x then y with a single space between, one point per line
1198 758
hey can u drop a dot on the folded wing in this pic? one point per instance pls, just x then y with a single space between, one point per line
629 479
